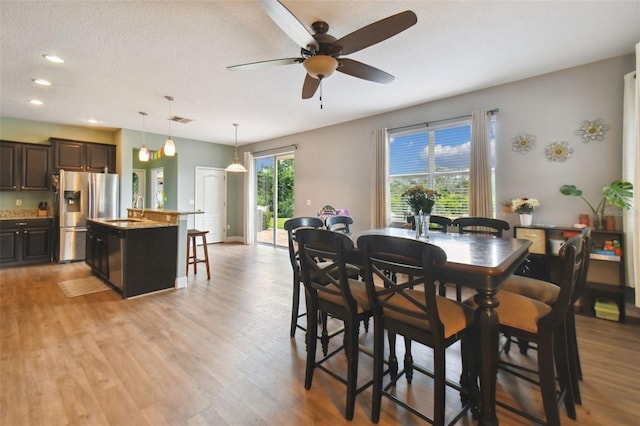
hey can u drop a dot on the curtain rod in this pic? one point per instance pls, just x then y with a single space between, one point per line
427 123
295 146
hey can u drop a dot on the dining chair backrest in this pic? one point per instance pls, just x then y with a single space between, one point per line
481 226
586 252
323 264
292 226
339 223
402 264
439 223
571 257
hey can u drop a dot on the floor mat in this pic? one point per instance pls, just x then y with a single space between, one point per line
82 286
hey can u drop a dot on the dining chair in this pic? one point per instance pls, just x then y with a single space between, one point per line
339 223
480 226
534 321
439 223
409 306
547 292
328 288
292 226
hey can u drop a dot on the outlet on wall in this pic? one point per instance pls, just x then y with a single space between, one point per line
18 203
308 202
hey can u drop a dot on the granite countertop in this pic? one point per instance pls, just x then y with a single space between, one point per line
19 214
128 223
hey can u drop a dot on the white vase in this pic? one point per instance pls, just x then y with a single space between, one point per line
526 219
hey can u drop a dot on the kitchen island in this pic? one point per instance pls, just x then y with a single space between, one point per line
135 256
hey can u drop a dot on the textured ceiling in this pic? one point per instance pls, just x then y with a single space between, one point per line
123 57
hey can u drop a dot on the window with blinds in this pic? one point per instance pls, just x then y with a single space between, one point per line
437 157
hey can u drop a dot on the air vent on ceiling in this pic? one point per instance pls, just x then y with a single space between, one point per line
180 119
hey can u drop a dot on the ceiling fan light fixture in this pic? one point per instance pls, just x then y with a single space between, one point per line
236 166
320 66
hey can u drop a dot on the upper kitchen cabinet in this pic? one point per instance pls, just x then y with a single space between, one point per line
83 156
24 167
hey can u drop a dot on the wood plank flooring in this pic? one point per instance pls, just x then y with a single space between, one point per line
218 353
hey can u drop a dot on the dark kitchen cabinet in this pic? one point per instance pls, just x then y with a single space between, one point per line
97 251
25 241
24 167
83 156
135 260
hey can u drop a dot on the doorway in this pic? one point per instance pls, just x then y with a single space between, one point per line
157 188
211 194
274 197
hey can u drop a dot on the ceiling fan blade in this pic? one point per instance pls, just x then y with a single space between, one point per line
266 64
376 32
364 71
309 87
288 23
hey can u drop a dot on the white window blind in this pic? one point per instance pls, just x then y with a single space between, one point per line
437 157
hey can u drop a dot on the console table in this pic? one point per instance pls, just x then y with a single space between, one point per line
606 277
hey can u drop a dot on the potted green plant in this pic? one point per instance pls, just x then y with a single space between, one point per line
618 193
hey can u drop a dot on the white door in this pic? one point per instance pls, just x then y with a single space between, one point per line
211 193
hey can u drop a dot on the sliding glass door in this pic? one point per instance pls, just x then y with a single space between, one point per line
274 197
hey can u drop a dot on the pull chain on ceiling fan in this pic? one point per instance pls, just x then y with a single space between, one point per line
320 52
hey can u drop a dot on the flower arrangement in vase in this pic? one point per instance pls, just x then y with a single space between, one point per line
524 207
421 201
618 193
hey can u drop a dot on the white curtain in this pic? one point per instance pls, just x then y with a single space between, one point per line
631 173
480 194
379 187
249 199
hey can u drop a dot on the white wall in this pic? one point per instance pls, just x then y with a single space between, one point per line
333 164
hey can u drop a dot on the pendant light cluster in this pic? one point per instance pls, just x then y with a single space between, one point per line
169 147
236 166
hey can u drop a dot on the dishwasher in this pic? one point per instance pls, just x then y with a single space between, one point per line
116 258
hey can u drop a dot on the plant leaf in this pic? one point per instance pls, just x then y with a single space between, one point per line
619 193
570 190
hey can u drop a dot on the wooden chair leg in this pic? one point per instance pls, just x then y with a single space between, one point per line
561 355
311 338
205 249
378 364
439 386
408 360
295 305
351 343
546 372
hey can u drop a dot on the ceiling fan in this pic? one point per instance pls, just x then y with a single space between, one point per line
320 52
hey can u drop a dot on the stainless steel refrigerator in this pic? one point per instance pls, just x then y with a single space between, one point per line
79 196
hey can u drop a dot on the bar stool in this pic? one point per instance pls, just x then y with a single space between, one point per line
192 259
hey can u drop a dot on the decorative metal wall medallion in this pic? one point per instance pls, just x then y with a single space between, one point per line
558 151
592 130
523 143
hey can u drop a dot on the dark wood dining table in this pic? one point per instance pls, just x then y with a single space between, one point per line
481 263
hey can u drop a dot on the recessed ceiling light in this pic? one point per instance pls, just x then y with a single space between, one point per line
92 120
35 102
41 82
53 58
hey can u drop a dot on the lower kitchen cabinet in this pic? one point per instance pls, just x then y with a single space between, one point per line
134 261
25 241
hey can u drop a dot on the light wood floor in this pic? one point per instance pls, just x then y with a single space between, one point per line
218 353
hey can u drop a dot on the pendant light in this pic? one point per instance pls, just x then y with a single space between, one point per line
143 154
169 147
236 166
